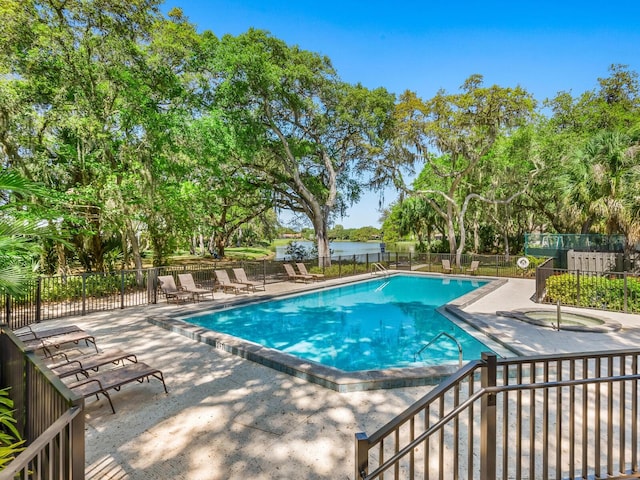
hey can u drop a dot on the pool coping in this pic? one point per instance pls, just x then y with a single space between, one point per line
328 377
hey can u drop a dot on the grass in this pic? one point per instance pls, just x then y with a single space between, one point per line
248 253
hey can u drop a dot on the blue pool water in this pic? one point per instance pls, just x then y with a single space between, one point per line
369 325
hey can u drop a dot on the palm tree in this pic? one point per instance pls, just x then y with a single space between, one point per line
16 245
603 182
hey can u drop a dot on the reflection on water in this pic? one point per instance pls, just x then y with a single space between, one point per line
357 326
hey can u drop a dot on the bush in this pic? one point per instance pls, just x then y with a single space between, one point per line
10 441
58 289
335 270
595 292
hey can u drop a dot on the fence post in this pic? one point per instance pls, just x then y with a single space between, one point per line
367 262
122 289
339 266
577 288
38 299
488 419
84 294
362 455
77 440
497 268
354 263
625 291
7 309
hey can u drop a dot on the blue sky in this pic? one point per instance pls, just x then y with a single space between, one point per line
424 46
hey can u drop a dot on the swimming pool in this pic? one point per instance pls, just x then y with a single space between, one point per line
417 296
376 324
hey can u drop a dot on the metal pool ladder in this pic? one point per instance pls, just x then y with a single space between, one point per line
379 268
434 340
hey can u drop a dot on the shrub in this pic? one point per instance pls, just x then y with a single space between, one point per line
335 269
10 441
594 292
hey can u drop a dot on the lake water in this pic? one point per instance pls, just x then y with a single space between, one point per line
338 248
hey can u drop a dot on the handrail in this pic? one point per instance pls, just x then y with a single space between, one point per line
434 339
390 462
452 382
378 267
571 375
22 461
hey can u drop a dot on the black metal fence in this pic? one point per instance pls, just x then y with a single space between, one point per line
69 295
48 416
613 291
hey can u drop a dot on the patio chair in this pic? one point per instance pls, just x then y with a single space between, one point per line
189 285
171 292
291 273
83 364
227 284
473 268
27 333
102 382
303 271
49 344
446 266
241 277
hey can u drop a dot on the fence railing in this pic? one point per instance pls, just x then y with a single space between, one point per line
570 416
613 291
49 417
61 296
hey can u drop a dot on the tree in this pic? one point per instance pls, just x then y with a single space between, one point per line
603 181
18 251
564 188
314 137
454 132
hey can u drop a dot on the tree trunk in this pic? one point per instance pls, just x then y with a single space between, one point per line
220 243
506 246
212 244
476 234
451 233
135 253
62 259
322 239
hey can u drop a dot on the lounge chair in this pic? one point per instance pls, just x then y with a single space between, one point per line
291 273
303 271
473 268
189 285
171 291
27 333
102 382
446 266
241 277
227 284
84 363
48 344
